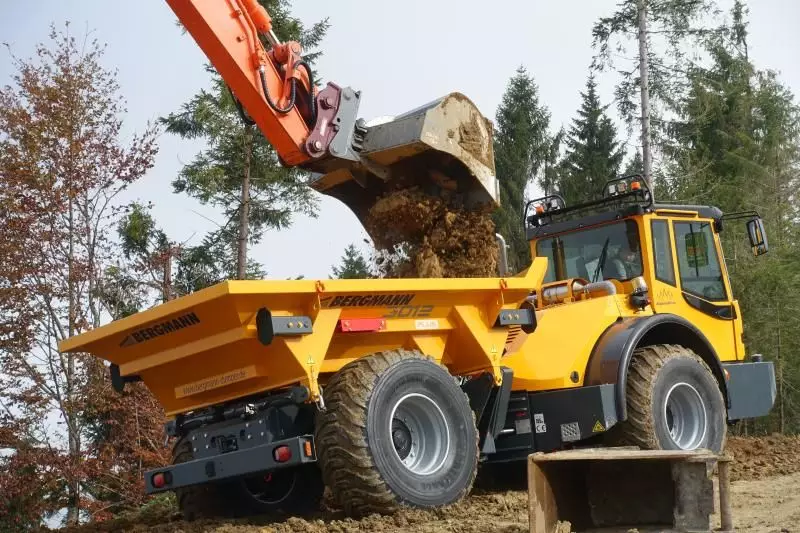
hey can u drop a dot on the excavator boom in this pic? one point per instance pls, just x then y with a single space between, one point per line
446 144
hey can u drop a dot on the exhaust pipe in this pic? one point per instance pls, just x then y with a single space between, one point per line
502 257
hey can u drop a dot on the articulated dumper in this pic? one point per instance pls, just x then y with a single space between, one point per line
391 392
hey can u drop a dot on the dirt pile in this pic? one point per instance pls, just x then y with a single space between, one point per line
760 457
486 513
760 504
418 235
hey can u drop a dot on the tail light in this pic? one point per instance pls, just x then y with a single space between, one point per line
282 454
161 479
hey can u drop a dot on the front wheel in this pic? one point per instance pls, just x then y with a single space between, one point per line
673 400
397 430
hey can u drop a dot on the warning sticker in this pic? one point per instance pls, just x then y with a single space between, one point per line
538 422
598 427
430 323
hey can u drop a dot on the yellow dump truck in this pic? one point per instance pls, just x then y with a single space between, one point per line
391 391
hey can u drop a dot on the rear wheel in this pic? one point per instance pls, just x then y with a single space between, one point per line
673 401
292 490
397 430
197 501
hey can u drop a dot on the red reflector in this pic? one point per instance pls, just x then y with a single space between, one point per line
282 454
361 324
159 480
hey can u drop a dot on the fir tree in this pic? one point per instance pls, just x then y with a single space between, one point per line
239 171
353 266
593 153
521 146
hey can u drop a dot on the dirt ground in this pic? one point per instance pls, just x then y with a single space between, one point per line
766 499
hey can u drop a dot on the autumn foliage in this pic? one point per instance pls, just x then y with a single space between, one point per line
68 441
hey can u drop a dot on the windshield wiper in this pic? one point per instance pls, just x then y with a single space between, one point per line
601 260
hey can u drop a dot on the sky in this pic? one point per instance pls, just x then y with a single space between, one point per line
399 54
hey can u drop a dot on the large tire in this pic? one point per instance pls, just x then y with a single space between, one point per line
372 457
197 501
673 400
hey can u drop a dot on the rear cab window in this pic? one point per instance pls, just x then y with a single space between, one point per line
662 252
698 262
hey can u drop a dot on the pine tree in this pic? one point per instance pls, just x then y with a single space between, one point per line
521 145
593 155
353 266
239 172
651 80
634 166
737 145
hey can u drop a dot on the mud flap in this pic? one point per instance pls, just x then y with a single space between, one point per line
565 417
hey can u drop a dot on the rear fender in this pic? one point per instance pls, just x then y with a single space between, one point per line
613 352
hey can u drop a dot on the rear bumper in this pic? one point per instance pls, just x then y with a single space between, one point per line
233 464
751 389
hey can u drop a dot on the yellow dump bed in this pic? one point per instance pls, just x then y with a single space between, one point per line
239 338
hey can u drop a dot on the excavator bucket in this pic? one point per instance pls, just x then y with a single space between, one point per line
444 147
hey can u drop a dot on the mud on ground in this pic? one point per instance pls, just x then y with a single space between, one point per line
762 457
418 235
766 471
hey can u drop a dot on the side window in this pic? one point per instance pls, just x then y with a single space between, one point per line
662 252
698 263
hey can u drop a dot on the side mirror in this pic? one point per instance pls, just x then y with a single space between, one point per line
757 235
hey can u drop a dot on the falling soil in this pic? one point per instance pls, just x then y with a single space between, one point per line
423 236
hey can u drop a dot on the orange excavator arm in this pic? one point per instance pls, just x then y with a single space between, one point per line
274 86
318 129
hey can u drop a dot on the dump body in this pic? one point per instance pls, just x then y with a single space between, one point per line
204 349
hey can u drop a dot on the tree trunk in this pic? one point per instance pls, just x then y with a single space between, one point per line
244 214
73 488
781 383
647 161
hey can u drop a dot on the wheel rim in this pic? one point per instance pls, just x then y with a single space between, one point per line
420 434
271 488
685 415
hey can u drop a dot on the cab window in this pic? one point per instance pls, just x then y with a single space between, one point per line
698 262
611 251
662 252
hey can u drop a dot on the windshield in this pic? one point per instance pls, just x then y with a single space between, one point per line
605 252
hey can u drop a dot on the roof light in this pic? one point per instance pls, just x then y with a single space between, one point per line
612 190
636 185
554 203
539 209
621 186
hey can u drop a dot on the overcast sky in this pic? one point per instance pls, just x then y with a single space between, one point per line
400 54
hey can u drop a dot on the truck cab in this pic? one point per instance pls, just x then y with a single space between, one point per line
635 311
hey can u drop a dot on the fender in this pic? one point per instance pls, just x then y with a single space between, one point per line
613 352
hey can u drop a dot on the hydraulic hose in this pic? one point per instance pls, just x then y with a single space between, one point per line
292 95
311 90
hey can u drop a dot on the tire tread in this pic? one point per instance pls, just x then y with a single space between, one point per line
348 469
